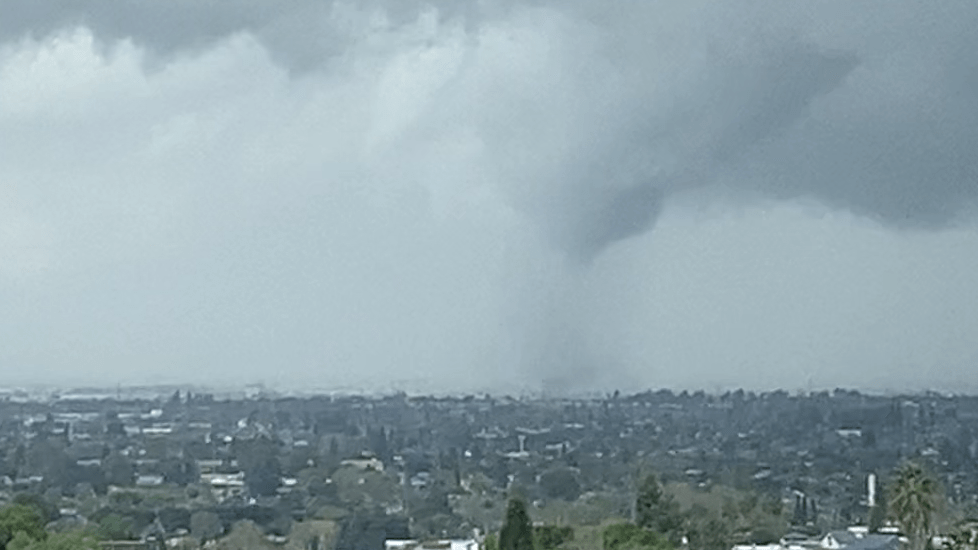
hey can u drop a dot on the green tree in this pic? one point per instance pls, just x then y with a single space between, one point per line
57 541
492 543
914 499
244 534
628 536
21 541
709 534
657 510
548 537
179 471
205 525
258 458
517 531
20 518
116 527
560 483
48 511
48 458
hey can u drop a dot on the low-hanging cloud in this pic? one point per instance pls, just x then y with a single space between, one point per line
437 187
881 146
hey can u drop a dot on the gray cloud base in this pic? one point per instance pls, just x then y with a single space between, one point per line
906 164
420 156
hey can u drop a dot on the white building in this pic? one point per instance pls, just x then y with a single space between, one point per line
455 544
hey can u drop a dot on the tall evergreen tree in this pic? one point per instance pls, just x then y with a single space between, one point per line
798 516
517 532
657 510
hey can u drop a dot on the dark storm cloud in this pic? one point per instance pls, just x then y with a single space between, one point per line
382 188
907 164
164 26
909 167
739 104
586 222
301 34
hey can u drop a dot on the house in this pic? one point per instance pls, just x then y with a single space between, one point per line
859 540
420 480
796 540
365 461
834 540
876 542
149 480
455 544
758 547
224 486
130 545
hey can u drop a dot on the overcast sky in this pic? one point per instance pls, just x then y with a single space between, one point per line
465 195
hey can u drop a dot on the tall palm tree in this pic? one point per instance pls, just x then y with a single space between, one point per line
914 500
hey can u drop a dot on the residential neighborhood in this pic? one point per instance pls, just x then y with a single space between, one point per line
186 466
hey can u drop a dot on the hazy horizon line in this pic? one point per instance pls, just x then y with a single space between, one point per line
258 389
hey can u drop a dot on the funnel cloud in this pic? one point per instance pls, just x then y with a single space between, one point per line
459 195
